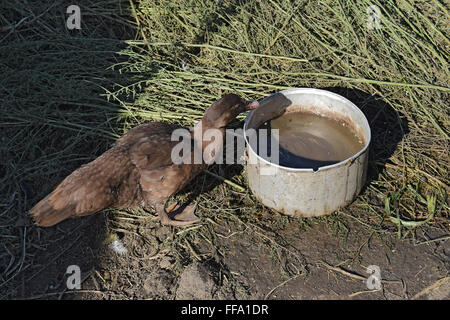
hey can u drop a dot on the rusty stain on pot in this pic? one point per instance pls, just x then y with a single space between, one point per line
304 192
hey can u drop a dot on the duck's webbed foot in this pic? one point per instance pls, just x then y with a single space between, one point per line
175 217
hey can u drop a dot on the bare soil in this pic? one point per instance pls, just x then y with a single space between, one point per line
248 261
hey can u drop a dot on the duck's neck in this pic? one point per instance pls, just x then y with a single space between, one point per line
208 139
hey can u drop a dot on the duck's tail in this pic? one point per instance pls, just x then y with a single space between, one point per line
87 190
46 213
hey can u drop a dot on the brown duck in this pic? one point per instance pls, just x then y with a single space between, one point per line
137 171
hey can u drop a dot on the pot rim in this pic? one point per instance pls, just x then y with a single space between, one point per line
322 93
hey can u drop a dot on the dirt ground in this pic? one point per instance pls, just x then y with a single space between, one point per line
247 261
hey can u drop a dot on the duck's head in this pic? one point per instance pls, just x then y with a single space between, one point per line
226 109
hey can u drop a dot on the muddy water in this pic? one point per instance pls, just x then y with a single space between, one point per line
311 141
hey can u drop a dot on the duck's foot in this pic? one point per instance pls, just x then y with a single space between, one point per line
177 218
187 214
173 207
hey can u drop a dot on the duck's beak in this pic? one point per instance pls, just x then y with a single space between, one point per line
245 106
251 105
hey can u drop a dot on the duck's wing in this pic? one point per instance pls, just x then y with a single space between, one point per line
87 190
153 152
162 171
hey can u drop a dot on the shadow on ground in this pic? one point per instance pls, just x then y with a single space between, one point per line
387 126
55 119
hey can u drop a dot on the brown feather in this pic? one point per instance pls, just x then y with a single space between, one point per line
88 189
